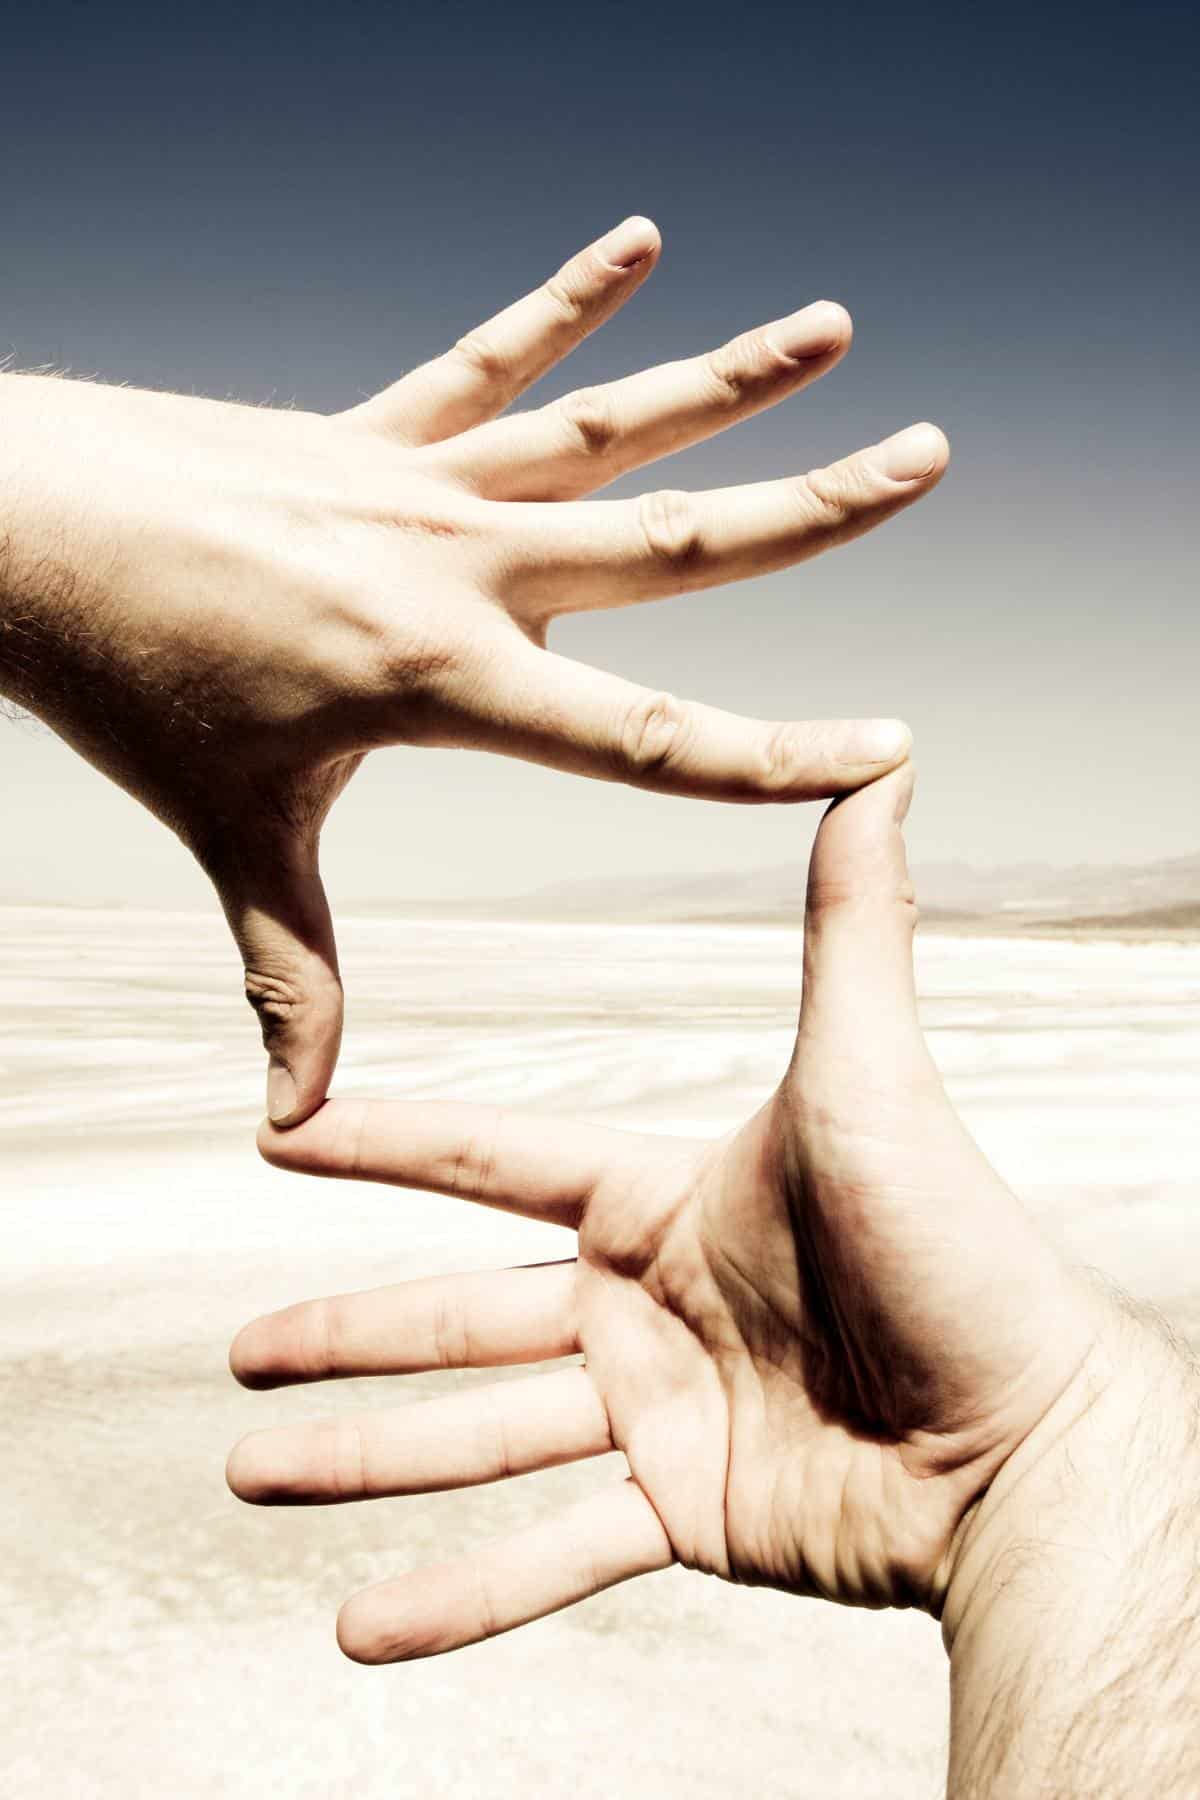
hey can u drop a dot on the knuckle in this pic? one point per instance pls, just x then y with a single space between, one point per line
413 665
276 999
588 414
735 370
671 528
451 1341
487 1613
827 895
475 1161
484 358
567 293
321 1335
786 753
345 1456
907 906
497 1453
653 734
831 897
831 498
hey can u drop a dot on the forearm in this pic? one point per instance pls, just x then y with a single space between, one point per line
1074 1629
45 593
99 559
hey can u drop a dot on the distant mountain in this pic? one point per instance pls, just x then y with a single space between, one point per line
1026 896
1092 892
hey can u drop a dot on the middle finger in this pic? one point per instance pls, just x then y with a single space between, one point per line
590 437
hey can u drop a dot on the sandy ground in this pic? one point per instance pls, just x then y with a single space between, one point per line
164 1641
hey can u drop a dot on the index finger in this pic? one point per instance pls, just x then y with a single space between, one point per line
487 369
540 1167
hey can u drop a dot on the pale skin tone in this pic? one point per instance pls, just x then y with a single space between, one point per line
838 1356
225 607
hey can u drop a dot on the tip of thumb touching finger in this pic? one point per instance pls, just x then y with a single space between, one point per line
860 842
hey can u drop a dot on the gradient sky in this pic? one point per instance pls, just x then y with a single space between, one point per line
281 201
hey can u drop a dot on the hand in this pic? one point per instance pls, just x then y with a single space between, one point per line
224 608
815 1341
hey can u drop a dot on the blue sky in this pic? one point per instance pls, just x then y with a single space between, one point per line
296 203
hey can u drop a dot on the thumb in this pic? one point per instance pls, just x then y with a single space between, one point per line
859 989
276 907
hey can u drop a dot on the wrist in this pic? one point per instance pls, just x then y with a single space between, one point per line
1096 1489
1072 1616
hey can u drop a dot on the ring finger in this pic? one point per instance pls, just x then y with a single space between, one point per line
460 1440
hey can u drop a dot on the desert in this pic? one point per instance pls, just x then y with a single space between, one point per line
168 1641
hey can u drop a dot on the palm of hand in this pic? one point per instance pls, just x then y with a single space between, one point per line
815 1342
731 1319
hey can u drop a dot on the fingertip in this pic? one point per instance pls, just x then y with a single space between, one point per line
844 315
918 453
320 1141
888 797
360 1640
939 444
816 333
871 814
631 243
878 743
262 1470
836 321
245 1365
271 1143
279 1140
237 1470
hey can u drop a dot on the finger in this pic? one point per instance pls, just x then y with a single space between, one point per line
612 552
487 369
276 907
552 710
927 1245
858 931
542 1168
460 1440
478 1321
590 437
608 1538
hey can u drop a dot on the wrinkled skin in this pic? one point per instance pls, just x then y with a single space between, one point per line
226 607
816 1341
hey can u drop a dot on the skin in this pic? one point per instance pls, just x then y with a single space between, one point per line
817 1341
225 607
839 1359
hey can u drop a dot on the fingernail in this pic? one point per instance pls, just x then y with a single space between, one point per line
910 454
877 741
281 1092
630 242
817 329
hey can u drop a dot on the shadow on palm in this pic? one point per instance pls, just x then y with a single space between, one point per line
815 1341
